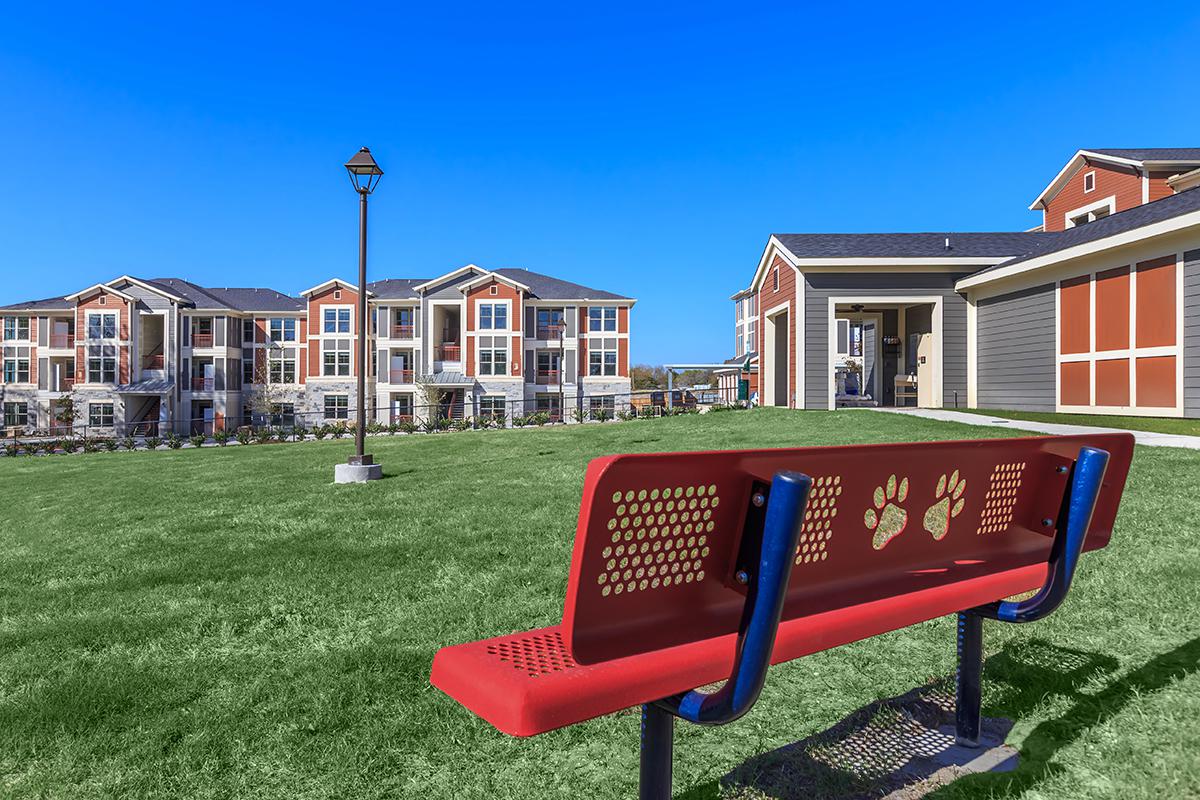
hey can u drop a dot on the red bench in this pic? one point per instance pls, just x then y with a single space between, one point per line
690 568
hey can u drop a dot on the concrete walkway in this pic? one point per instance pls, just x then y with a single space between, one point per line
1142 437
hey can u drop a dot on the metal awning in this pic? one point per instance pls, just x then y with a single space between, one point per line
450 379
157 386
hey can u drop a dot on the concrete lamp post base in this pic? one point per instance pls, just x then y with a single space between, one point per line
359 469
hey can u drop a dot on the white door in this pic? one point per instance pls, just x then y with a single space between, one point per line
210 376
925 382
208 421
399 366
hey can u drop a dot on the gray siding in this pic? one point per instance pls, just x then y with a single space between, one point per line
1016 350
820 286
1191 333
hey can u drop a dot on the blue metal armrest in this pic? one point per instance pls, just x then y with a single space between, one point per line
1087 476
766 588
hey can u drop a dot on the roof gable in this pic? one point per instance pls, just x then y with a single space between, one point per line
1157 157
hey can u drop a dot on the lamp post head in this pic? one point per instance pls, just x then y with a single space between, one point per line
364 172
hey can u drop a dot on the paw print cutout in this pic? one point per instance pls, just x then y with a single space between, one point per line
887 519
938 516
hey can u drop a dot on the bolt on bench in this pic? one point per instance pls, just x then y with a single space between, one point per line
690 568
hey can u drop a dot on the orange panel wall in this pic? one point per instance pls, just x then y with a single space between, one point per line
1156 382
1156 303
1112 382
1075 316
1112 310
1074 383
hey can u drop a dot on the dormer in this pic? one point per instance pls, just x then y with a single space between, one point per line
1097 183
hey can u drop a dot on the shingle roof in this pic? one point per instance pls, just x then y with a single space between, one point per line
231 298
49 304
1151 153
911 245
544 287
396 288
1137 217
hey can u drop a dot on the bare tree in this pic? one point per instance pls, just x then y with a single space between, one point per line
433 395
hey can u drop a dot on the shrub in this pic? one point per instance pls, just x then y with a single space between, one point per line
244 436
174 442
111 445
152 442
407 425
340 430
70 445
299 432
376 427
91 444
460 424
626 414
197 439
602 415
31 448
50 445
430 425
264 436
128 443
496 420
519 421
12 449
321 431
539 418
221 437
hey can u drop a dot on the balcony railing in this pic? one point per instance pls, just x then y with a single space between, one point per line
157 361
448 352
202 340
400 376
401 416
546 376
201 383
62 384
62 341
403 331
550 332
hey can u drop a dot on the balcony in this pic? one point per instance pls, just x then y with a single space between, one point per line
202 384
547 376
202 340
62 341
550 332
154 362
64 384
450 351
400 376
403 331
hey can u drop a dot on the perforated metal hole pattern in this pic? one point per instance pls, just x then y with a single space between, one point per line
1001 497
659 538
536 654
817 528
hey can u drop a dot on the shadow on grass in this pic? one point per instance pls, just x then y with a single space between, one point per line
902 741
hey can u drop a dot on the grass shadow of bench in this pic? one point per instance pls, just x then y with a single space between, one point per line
902 741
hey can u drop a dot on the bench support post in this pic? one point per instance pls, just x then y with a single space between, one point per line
969 679
658 730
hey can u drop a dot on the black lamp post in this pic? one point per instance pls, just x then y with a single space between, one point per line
364 176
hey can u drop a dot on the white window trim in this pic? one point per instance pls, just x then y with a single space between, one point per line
507 315
333 334
28 329
1090 174
1109 202
479 357
87 320
616 315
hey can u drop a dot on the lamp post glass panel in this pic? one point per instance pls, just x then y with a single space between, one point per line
364 176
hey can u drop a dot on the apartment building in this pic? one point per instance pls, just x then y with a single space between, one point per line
163 354
1094 310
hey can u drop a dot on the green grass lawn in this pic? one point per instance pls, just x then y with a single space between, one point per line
226 623
1186 427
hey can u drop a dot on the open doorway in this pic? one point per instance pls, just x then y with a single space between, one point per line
885 351
776 336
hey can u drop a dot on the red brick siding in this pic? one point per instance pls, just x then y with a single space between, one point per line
768 298
1126 186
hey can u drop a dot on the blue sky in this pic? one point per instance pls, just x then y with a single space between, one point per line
645 149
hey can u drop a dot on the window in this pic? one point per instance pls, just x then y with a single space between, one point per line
337 406
493 355
336 357
493 316
491 405
1090 213
549 404
283 415
16 329
101 363
1089 182
547 367
549 323
248 330
843 337
602 318
602 357
283 329
737 311
775 280
739 342
374 320
603 402
248 371
282 364
337 320
102 326
16 415
16 365
100 415
405 322
752 336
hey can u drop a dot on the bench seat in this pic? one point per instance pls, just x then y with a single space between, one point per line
527 683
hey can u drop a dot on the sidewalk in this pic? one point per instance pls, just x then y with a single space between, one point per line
1142 437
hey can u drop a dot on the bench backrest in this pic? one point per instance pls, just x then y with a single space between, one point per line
657 545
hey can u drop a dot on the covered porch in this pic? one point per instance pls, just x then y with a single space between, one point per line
885 352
